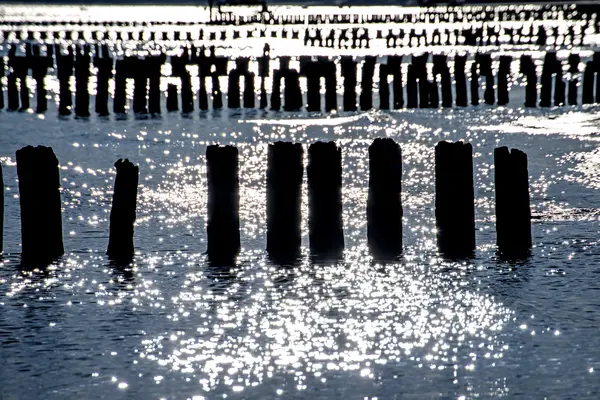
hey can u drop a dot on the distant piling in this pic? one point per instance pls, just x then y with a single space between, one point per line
513 214
64 71
503 77
350 79
121 75
368 72
223 224
172 98
461 80
440 68
39 196
454 198
122 214
82 77
324 174
384 204
139 71
1 210
284 192
574 61
527 68
104 65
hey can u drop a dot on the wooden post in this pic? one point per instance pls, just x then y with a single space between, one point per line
513 214
284 191
384 205
39 196
454 198
325 226
223 225
122 214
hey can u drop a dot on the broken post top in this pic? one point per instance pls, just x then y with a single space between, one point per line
39 154
325 164
125 166
285 164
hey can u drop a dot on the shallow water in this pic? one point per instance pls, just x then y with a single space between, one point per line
171 326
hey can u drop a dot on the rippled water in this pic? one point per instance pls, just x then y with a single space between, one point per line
172 327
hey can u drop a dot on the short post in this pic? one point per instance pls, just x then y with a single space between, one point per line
454 198
39 196
122 214
284 192
223 224
325 226
384 204
513 215
172 98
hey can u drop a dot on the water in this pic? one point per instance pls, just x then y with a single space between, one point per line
172 327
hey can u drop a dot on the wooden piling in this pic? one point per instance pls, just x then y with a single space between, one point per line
284 191
503 76
223 223
574 60
384 204
39 196
104 65
454 198
64 71
527 68
82 77
325 226
350 79
368 72
172 98
122 214
513 214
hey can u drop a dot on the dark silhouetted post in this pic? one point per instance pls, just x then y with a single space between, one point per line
349 75
223 224
368 72
394 69
122 214
454 198
440 67
82 78
412 97
503 75
104 64
324 174
1 210
39 195
139 69
574 61
172 98
121 74
384 88
384 205
64 71
264 72
528 69
513 215
292 95
2 74
284 191
461 80
39 69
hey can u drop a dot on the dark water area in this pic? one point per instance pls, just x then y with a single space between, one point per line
173 326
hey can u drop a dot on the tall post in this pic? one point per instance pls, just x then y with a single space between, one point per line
513 214
454 198
384 204
39 196
122 214
223 225
325 226
284 191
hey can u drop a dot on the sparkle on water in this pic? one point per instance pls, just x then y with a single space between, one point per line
171 326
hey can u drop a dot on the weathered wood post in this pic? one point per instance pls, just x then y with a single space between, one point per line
454 198
325 226
82 77
461 80
223 224
366 84
39 69
64 71
122 71
503 75
528 69
513 215
384 88
39 196
284 191
139 70
122 214
574 61
349 75
384 204
172 98
440 67
104 63
154 74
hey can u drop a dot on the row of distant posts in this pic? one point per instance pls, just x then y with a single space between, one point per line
41 221
419 90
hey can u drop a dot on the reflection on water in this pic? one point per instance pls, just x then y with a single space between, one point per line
170 326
